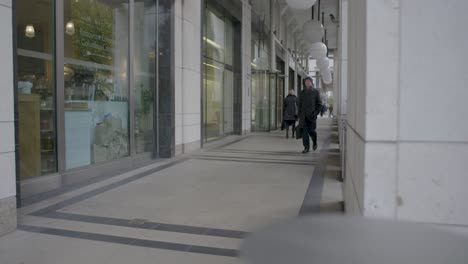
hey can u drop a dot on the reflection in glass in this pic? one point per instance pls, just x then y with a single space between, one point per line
229 49
260 101
96 83
144 70
214 36
228 102
213 95
218 77
36 93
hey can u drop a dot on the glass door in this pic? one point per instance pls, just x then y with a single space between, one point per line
144 68
260 101
273 99
279 99
218 75
228 102
266 101
213 99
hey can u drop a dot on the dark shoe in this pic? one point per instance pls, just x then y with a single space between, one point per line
305 151
314 147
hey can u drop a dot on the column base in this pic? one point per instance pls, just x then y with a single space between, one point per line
8 220
187 147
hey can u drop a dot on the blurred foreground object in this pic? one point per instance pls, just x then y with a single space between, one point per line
353 240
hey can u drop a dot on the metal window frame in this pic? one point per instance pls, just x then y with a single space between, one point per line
131 77
59 84
15 100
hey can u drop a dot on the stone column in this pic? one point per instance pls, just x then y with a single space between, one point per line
286 72
7 124
246 67
188 82
407 138
272 36
343 60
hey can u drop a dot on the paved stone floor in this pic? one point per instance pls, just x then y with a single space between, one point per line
192 209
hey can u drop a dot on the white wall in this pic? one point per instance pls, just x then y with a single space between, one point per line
433 130
7 143
407 138
188 73
372 106
354 182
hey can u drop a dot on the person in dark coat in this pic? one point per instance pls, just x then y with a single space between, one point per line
290 112
309 106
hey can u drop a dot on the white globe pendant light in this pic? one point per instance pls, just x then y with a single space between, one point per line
300 4
313 31
318 50
326 76
323 63
328 81
29 31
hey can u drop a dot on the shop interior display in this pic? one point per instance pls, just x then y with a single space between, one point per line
36 115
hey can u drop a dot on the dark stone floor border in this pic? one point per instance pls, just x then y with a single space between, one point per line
89 194
254 158
252 161
71 187
313 196
257 161
232 142
148 225
36 198
132 241
273 153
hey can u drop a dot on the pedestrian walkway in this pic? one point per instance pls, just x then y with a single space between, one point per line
196 208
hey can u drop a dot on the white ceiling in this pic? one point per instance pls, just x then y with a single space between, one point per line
262 7
327 7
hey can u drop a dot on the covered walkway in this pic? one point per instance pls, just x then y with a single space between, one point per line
193 209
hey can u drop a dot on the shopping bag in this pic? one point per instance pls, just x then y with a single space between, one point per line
299 131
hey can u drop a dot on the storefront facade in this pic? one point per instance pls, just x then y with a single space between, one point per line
94 91
103 87
96 88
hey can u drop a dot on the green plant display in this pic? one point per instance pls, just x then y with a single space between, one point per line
93 31
146 100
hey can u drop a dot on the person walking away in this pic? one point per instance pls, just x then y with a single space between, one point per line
309 106
290 112
330 109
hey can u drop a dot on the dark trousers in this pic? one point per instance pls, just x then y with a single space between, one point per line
309 129
289 123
